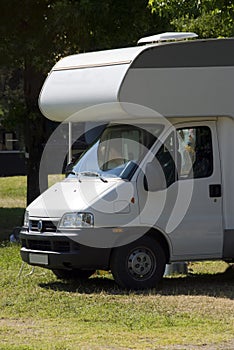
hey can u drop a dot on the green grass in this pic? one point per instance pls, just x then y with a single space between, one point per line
41 312
13 192
12 204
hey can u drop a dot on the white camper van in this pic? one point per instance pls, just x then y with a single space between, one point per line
156 187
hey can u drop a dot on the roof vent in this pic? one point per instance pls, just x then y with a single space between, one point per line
169 36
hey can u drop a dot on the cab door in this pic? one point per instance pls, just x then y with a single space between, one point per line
189 209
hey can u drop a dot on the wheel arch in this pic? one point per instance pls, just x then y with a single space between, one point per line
158 236
141 263
162 240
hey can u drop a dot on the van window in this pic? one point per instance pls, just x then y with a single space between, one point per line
195 149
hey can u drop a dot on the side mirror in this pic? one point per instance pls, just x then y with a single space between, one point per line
69 168
154 177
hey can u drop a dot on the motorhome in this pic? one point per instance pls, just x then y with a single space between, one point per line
156 187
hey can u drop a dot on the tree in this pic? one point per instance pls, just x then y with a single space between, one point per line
35 34
208 18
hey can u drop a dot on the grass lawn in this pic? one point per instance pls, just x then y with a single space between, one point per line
13 202
39 311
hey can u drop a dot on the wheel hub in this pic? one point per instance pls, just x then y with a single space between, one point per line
140 263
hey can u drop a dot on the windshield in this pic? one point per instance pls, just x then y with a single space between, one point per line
118 151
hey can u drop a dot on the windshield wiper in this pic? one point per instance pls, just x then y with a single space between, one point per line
93 173
88 173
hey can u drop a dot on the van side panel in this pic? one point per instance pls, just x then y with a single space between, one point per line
225 128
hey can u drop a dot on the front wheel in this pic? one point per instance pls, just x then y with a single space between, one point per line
74 274
138 265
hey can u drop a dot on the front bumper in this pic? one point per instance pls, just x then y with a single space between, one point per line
88 248
56 251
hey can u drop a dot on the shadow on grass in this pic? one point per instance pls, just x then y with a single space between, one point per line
217 285
9 219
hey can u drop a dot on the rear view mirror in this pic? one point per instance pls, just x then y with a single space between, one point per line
154 177
69 168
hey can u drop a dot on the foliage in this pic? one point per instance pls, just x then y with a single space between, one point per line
208 18
12 100
37 33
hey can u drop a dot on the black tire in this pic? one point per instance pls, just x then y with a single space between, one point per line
74 274
138 265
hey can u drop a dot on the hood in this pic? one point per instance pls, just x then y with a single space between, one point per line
71 195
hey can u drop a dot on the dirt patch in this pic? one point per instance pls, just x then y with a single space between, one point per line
229 345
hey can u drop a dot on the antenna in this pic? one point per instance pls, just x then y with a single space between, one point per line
169 36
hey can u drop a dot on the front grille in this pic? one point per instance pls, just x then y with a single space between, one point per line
46 225
60 246
39 245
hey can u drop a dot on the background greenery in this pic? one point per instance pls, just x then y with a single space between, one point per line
36 34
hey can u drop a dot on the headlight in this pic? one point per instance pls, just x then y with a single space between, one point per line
75 220
26 219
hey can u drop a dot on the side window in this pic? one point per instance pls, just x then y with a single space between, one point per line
195 148
166 157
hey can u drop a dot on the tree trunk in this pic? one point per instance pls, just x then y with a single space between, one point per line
35 132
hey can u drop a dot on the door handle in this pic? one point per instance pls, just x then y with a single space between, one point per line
215 191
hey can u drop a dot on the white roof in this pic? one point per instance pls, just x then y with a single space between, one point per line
99 58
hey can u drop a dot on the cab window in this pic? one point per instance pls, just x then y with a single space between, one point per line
195 148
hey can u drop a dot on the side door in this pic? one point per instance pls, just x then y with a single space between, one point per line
189 209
